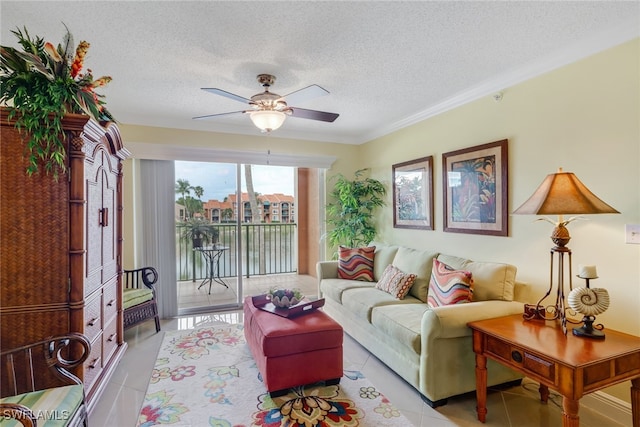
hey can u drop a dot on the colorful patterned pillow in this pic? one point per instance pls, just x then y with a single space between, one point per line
356 263
395 282
449 286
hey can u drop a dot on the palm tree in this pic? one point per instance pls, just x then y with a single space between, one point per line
198 191
227 213
183 187
197 203
351 210
255 213
253 197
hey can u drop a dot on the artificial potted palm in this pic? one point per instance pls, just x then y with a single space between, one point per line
351 211
200 232
40 85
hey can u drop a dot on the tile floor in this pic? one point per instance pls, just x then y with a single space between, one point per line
518 406
190 297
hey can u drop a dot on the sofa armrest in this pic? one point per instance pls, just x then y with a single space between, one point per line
327 270
451 321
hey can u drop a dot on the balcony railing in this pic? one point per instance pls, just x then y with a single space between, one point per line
266 249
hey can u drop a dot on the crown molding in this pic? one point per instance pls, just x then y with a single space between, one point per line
572 53
151 151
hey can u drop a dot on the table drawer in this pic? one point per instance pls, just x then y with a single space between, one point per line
521 358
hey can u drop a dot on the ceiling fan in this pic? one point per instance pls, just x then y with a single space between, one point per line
269 110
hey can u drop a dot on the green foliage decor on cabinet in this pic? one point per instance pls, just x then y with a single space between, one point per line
42 83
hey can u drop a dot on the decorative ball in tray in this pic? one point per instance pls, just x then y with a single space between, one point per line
285 298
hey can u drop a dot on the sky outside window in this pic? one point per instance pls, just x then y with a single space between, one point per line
219 179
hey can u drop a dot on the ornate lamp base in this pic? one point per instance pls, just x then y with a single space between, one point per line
587 330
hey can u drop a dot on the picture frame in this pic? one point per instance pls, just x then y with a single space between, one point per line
475 189
413 194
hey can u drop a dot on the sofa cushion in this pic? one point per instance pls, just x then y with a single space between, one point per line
491 280
449 286
334 288
419 263
395 282
356 263
402 322
384 256
361 301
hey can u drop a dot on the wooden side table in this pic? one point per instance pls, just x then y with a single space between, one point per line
574 366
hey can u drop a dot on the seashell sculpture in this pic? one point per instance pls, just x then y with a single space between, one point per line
589 301
285 298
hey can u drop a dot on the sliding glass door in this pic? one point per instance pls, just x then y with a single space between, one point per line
235 226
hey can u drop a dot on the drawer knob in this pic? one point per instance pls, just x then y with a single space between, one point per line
515 355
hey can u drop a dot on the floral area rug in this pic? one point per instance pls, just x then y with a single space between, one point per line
207 377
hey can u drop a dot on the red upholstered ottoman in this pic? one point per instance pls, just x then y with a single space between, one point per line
296 351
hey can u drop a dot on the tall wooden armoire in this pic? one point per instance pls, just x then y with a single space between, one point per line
61 245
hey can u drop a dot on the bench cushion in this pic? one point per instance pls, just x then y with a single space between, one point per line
131 297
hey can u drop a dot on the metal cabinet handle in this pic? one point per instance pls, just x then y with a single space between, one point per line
94 363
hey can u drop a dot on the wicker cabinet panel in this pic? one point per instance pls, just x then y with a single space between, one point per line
33 219
109 205
61 244
93 237
93 365
109 301
109 340
93 317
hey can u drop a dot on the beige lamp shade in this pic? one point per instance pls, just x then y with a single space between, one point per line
562 193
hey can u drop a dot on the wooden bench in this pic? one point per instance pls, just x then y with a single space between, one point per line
139 297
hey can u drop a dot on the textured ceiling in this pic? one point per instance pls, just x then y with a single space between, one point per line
385 64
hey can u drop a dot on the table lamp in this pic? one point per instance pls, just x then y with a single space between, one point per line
560 193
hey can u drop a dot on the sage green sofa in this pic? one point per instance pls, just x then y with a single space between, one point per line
431 348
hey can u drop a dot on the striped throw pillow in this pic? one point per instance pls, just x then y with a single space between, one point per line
449 286
396 282
356 263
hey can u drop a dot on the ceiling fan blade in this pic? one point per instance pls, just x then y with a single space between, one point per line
216 115
313 114
305 94
226 94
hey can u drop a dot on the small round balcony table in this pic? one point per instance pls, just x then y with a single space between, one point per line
212 255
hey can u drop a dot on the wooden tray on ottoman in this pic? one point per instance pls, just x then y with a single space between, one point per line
305 306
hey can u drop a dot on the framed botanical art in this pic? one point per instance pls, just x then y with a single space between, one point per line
413 194
475 189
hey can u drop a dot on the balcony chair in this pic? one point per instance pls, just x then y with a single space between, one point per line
37 385
139 297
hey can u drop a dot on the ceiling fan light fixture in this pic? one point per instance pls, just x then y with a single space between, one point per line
267 120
